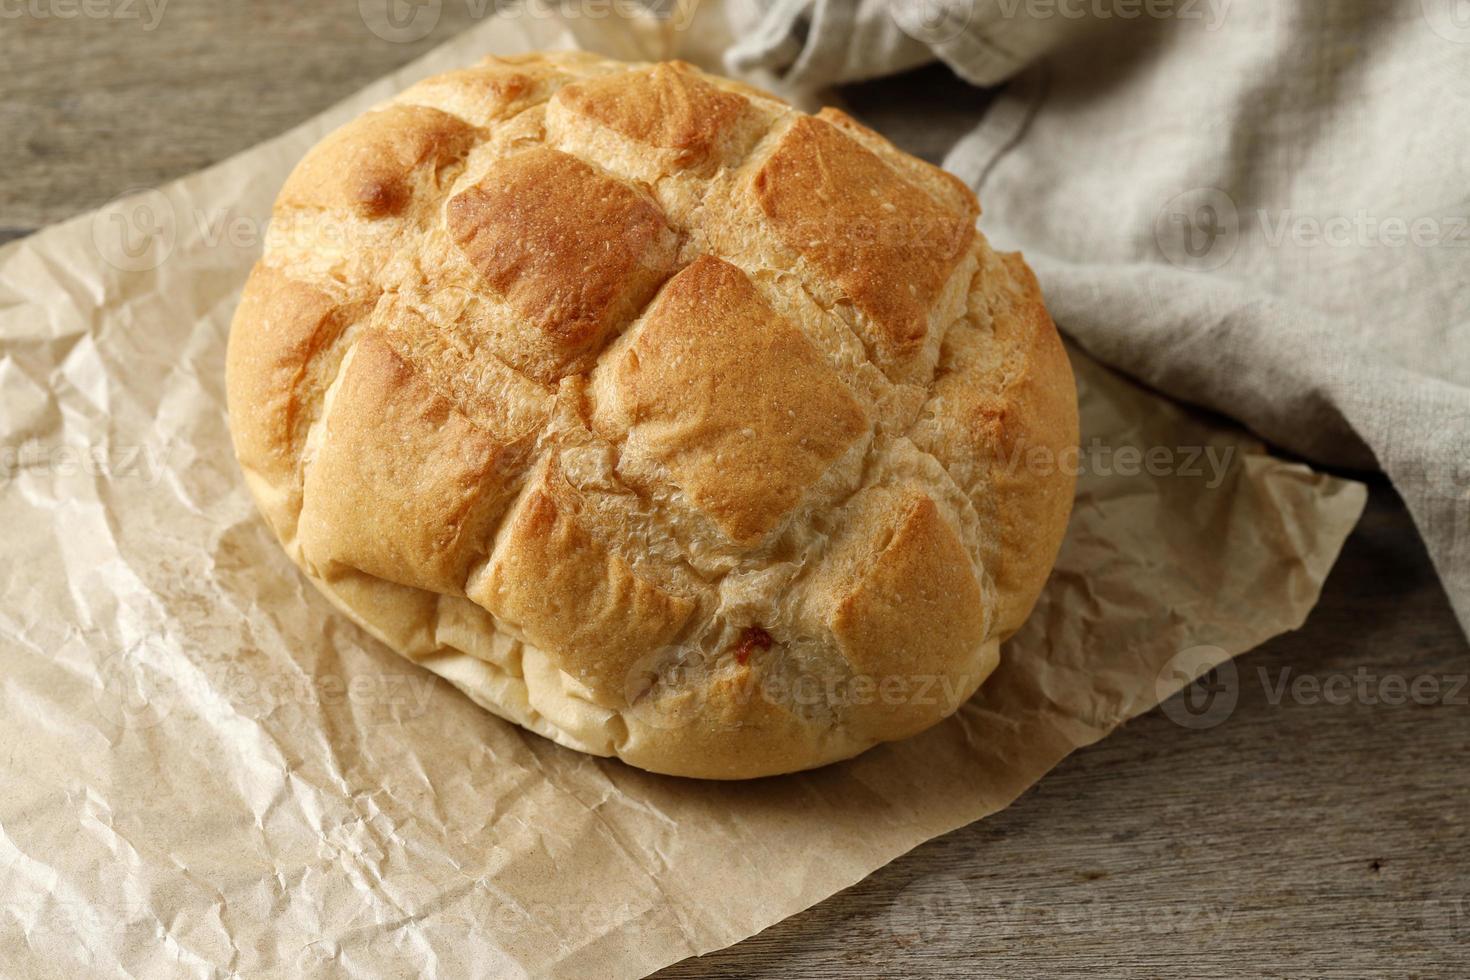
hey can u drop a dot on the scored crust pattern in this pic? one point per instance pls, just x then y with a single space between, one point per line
662 419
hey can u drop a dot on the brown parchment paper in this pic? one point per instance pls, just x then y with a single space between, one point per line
208 771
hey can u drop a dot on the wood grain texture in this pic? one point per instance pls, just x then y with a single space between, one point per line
1299 838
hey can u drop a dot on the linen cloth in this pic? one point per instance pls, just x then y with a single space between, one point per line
1256 206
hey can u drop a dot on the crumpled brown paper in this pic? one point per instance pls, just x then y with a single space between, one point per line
207 769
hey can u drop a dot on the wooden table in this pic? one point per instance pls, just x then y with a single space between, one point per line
1300 838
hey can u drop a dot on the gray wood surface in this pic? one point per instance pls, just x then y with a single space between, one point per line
1300 838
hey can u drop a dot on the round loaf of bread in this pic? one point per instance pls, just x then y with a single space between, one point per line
659 417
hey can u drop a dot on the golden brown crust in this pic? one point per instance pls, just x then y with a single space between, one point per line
660 418
368 166
419 517
264 369
574 252
494 90
1003 420
730 727
945 187
557 587
667 106
734 402
271 374
909 612
888 244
